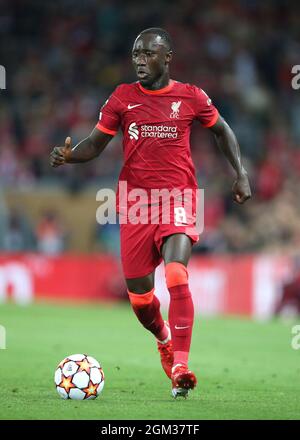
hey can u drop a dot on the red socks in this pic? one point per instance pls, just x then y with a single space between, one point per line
181 311
146 306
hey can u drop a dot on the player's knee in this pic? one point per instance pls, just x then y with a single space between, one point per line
139 300
176 274
140 285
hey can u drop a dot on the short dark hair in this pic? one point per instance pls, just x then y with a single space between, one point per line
162 33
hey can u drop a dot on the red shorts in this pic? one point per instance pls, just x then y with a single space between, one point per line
141 243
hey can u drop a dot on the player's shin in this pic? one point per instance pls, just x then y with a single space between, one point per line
181 311
146 306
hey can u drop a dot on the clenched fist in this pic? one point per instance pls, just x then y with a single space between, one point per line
241 189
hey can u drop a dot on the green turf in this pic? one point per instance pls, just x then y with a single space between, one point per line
246 370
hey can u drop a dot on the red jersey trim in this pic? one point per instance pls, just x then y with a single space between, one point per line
105 130
159 91
212 121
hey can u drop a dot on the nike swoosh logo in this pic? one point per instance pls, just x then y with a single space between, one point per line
181 328
132 106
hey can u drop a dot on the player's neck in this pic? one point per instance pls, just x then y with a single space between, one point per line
160 83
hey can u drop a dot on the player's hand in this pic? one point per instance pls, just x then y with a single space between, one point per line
61 155
241 189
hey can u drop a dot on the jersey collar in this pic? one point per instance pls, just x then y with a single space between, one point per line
159 91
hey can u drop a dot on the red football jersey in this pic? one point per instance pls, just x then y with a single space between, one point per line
156 132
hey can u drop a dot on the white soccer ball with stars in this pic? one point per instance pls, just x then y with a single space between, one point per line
79 377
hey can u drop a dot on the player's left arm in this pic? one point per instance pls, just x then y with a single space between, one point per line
228 144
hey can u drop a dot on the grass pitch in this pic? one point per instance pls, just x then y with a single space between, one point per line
246 370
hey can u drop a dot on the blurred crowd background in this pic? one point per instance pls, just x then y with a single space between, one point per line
64 58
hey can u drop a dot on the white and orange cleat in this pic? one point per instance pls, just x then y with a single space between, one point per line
183 380
165 349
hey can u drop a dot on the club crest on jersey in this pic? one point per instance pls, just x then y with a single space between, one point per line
133 131
175 109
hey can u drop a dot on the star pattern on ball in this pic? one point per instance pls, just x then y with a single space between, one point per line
90 390
67 384
84 365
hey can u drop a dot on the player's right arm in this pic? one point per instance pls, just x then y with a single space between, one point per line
86 150
90 147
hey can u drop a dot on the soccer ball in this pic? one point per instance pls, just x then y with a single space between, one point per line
79 377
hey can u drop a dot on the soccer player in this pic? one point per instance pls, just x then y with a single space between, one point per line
155 114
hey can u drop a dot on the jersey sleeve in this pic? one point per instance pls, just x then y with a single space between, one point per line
205 111
110 115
